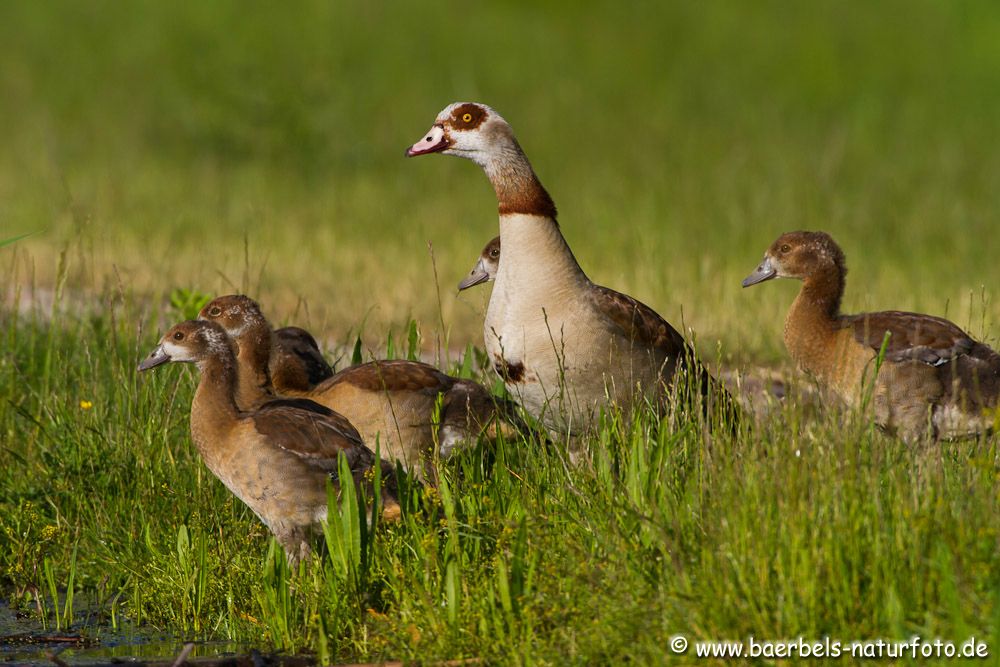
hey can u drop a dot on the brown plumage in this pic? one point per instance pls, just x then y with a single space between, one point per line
925 338
635 321
278 457
391 403
296 361
935 379
243 322
289 361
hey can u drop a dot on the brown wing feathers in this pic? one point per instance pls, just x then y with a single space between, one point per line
912 336
640 323
391 375
300 364
312 435
637 321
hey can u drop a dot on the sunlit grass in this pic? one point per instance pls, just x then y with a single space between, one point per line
810 522
677 142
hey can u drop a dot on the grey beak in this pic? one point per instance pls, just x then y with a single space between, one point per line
765 271
156 358
479 274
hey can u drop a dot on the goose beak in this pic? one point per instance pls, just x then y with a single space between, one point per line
765 271
157 357
434 141
477 275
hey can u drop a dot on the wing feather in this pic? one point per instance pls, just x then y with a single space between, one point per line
313 436
637 322
297 362
912 336
392 375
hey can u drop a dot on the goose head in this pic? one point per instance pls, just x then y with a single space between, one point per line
192 341
466 129
235 313
799 255
486 266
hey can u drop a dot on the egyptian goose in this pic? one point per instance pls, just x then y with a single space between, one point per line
391 402
747 389
276 458
292 361
934 379
296 362
485 269
562 344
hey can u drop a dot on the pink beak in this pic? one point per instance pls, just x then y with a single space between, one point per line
434 141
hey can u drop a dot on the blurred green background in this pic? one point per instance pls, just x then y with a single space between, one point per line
258 146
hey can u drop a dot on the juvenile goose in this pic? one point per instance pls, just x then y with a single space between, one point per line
291 360
562 344
486 266
391 402
276 458
296 362
935 380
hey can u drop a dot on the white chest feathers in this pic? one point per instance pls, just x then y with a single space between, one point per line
547 338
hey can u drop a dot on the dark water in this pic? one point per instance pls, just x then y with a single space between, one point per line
25 640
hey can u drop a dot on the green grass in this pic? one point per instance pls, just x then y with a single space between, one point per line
156 153
812 526
677 140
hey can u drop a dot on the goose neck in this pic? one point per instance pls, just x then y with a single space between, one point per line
812 322
517 188
254 375
535 251
214 408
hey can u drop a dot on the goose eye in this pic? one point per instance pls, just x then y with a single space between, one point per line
785 248
178 335
466 117
215 311
494 253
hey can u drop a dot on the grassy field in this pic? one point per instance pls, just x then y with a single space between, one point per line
257 146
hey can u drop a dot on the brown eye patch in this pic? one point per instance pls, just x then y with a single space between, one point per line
468 116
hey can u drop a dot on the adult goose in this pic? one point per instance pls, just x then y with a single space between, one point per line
405 406
934 379
563 345
278 457
751 391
